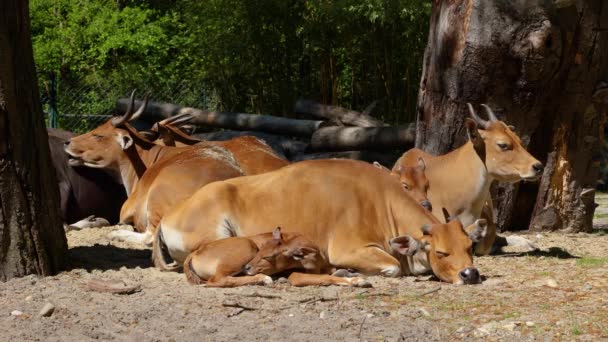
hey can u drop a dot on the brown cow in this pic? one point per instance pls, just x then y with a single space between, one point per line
215 264
460 180
155 177
253 155
357 215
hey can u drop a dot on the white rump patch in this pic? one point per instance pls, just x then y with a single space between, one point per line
174 241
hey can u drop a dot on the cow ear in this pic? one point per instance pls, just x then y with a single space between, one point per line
276 234
472 130
480 230
421 163
303 253
446 215
125 141
405 245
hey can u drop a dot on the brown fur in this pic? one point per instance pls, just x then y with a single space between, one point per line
350 210
460 180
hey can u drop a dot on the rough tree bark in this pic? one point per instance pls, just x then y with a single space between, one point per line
32 240
537 63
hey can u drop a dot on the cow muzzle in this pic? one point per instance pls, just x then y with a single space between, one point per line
469 275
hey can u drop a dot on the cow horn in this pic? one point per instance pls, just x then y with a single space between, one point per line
481 122
120 120
141 109
491 115
176 120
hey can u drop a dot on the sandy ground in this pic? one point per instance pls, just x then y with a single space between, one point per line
557 293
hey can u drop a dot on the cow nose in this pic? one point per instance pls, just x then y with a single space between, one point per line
469 275
66 143
538 168
426 205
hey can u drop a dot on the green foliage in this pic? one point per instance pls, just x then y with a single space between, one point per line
254 56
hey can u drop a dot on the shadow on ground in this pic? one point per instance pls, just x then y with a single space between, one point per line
107 257
552 252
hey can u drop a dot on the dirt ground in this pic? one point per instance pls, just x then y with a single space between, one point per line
557 293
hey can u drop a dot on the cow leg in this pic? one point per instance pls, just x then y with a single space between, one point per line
306 279
370 260
220 280
130 236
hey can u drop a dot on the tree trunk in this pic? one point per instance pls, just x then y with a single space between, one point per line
537 63
32 240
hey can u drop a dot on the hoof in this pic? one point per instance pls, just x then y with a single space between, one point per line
360 282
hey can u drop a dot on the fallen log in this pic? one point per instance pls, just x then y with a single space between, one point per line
346 116
363 138
386 159
281 144
238 121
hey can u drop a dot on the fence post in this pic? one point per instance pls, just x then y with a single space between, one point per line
53 101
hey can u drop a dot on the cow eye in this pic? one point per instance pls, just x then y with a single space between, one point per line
268 257
405 186
442 254
97 136
503 146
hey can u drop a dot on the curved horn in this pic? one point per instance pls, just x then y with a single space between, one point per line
491 115
481 122
141 109
118 121
176 120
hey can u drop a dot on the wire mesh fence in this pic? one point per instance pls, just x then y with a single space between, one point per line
79 107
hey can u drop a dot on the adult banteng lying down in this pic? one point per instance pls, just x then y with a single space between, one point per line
253 155
155 177
460 180
414 181
255 258
358 216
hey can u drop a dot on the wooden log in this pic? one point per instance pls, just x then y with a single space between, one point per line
384 158
238 121
283 145
362 138
346 116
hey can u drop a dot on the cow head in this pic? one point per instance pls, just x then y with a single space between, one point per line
413 180
500 148
173 131
283 252
448 249
103 147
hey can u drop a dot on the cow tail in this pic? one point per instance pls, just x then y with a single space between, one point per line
158 253
189 272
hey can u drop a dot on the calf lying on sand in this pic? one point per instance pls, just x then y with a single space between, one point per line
215 264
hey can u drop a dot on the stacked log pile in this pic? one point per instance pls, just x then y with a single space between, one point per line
323 132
